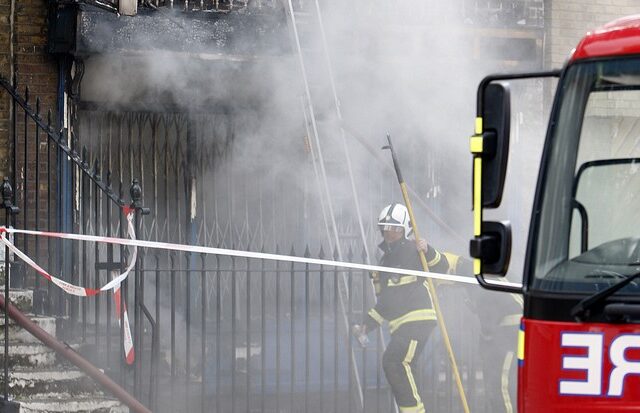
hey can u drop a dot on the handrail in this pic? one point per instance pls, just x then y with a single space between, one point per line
72 356
55 137
58 138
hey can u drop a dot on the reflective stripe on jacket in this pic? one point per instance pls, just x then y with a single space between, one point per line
403 299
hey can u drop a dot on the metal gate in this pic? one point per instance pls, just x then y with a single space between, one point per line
211 333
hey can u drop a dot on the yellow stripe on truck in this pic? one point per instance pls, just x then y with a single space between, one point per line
521 345
476 146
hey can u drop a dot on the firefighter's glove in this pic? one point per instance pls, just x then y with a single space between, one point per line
360 333
375 279
421 245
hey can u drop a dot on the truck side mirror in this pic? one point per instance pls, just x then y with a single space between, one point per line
496 124
493 247
491 243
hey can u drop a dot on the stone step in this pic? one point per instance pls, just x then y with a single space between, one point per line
23 299
50 383
18 334
75 405
33 355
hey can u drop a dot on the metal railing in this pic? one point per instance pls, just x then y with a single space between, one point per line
223 6
10 212
233 335
504 13
62 349
252 335
39 153
211 333
243 334
483 13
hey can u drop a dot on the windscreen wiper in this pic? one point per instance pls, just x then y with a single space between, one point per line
579 310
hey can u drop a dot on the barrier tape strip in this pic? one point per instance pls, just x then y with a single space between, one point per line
68 287
129 352
78 291
248 254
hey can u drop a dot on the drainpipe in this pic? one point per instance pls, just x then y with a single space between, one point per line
6 405
12 79
64 173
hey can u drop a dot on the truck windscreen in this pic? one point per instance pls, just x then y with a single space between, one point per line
587 233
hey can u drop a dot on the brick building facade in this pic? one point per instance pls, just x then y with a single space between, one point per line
24 60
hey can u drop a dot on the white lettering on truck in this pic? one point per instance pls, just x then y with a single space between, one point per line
592 363
622 366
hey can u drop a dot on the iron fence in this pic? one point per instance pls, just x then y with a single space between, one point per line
504 13
211 333
55 187
256 335
220 6
481 13
204 191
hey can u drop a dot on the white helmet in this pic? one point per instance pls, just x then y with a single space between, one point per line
395 215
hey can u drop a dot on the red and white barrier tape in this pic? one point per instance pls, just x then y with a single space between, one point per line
129 352
76 290
256 255
67 287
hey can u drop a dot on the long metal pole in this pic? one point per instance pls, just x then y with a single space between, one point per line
13 84
432 291
314 126
314 162
10 210
324 180
6 314
327 56
325 50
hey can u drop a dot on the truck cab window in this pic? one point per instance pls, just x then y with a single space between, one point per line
589 226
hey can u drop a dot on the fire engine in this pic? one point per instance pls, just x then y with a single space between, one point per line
579 340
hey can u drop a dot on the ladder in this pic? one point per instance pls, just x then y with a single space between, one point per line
327 138
323 116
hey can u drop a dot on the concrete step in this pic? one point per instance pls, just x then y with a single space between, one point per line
33 355
49 383
23 299
75 405
18 334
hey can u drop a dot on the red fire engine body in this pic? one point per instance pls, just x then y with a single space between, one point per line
579 343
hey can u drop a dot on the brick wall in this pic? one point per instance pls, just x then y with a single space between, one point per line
567 21
34 67
5 11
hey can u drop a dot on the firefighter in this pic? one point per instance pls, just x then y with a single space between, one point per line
499 326
404 302
499 317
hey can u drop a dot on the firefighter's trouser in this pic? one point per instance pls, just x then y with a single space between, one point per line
400 362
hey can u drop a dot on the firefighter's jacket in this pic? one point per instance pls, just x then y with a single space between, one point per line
403 300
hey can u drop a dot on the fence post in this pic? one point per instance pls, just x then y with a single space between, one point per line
136 204
65 215
7 406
